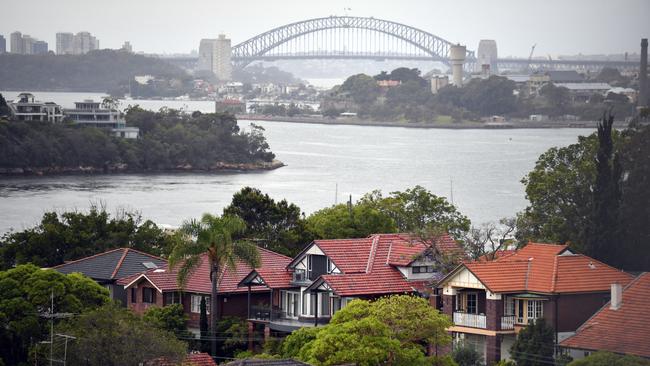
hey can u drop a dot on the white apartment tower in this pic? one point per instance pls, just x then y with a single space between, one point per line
64 43
215 55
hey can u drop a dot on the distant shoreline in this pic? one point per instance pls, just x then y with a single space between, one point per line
453 125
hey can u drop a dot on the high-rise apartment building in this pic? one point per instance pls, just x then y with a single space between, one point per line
3 44
215 55
40 48
17 45
24 44
64 42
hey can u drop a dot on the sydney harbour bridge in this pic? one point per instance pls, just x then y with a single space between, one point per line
349 37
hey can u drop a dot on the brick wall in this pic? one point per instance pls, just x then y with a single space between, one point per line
493 312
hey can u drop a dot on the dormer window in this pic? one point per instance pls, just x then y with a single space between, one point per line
423 269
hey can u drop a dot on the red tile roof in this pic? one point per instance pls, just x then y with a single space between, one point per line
624 330
272 267
192 359
368 264
546 268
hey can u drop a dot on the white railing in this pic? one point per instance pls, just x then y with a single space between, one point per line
507 322
470 320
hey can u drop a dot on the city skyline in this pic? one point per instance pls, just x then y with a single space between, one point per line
557 28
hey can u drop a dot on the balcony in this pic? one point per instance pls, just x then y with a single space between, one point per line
300 277
508 322
470 320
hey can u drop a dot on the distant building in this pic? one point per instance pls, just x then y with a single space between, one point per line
487 55
215 56
388 83
438 82
64 43
39 48
27 108
581 92
91 113
233 106
84 42
17 43
3 44
127 47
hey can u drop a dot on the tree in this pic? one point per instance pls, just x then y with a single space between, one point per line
4 108
362 88
534 345
418 209
203 325
171 318
278 226
112 335
73 235
602 358
212 235
487 240
603 225
26 291
467 356
492 96
349 221
394 330
557 98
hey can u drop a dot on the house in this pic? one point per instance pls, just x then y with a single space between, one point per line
159 287
328 274
27 108
93 114
621 326
192 359
108 267
490 301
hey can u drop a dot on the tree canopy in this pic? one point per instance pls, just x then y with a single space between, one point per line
25 293
73 235
395 329
534 345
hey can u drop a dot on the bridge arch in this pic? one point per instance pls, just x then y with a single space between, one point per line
434 46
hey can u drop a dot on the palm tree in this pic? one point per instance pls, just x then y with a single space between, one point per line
213 236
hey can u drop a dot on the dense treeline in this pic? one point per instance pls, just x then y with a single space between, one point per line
169 140
101 71
413 101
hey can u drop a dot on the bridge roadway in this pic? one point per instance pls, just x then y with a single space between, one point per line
503 63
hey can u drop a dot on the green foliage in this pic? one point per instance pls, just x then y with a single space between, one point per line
203 326
417 209
343 221
278 226
73 235
171 318
101 71
467 356
112 335
603 358
362 88
234 333
25 291
534 345
391 330
169 140
487 97
4 108
558 99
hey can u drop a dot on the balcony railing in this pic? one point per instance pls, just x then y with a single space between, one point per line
508 322
470 320
300 276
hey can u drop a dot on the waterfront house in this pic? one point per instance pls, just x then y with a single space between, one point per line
91 113
192 359
27 108
160 287
328 274
621 326
490 301
108 267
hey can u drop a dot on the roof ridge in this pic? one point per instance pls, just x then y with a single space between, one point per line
144 253
86 258
390 249
555 273
276 253
119 263
530 261
373 251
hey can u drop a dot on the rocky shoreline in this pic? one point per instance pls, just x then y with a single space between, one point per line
123 169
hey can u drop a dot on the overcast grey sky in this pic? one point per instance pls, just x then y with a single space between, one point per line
171 26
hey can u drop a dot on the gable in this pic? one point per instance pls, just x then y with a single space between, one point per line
463 278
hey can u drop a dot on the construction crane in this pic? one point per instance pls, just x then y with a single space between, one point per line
530 57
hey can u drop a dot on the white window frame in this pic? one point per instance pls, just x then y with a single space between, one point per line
195 304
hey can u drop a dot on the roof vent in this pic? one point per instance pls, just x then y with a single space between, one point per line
616 296
149 265
159 270
592 265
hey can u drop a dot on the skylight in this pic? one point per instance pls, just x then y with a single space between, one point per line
149 265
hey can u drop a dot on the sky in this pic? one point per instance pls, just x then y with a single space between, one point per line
557 27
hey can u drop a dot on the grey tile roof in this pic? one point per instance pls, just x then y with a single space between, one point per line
111 265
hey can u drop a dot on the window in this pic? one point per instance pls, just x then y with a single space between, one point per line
520 310
134 294
290 303
195 305
172 298
472 303
148 295
336 304
534 309
509 306
423 269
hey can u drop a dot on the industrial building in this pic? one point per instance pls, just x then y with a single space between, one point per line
487 56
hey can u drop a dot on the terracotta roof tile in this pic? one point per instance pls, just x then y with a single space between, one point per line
546 268
624 330
192 359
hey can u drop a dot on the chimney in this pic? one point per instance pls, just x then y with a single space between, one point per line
616 296
643 75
